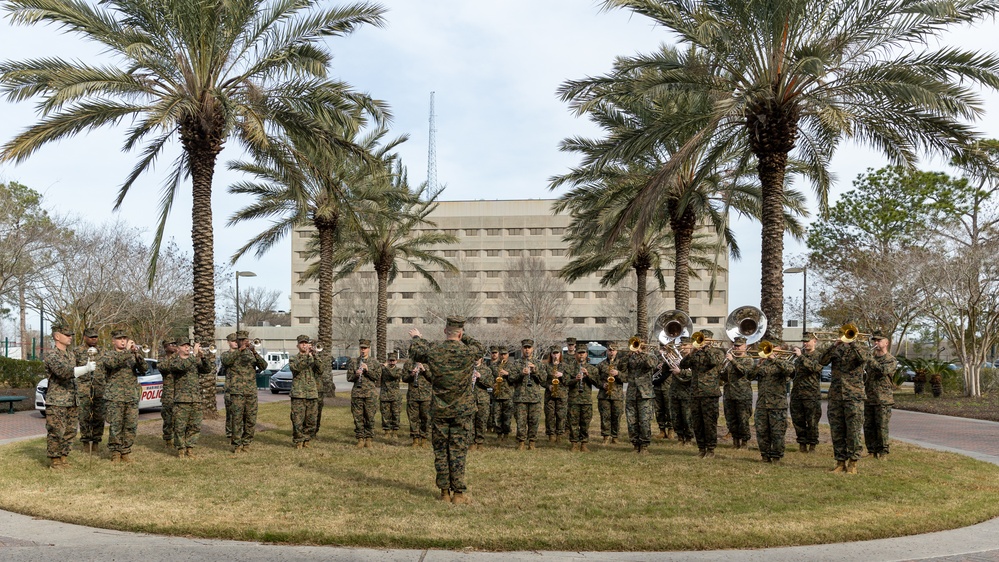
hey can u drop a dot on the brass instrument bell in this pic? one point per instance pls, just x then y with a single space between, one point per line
670 326
748 322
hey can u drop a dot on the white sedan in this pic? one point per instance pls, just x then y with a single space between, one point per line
151 382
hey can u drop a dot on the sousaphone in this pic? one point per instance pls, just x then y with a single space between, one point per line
670 326
748 322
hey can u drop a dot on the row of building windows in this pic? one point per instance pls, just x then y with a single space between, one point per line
556 231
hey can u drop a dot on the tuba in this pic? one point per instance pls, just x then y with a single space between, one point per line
748 322
670 326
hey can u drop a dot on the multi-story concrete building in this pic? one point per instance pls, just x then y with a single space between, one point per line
500 243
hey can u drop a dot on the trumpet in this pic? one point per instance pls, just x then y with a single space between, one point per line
257 342
137 348
212 349
318 348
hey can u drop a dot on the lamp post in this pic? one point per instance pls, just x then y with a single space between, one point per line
238 275
804 294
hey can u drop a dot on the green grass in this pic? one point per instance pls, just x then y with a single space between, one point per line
548 499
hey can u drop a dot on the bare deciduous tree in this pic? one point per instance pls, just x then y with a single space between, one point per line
536 301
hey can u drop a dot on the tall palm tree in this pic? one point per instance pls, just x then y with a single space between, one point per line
394 232
200 72
799 76
317 180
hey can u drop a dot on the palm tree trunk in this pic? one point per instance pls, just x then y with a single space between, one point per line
202 150
683 238
381 320
327 233
641 305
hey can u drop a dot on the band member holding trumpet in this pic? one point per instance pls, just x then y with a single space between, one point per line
306 370
166 396
738 396
502 393
806 394
186 368
638 396
849 359
880 396
705 362
388 398
241 368
121 366
772 374
230 341
61 401
555 393
366 376
528 386
679 395
580 380
610 397
90 391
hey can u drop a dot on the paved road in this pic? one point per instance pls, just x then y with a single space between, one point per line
26 539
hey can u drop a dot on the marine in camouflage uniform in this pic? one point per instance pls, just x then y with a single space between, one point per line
241 367
879 387
846 401
705 363
580 380
482 387
61 405
488 364
772 374
528 382
224 372
503 394
638 407
451 364
166 397
366 374
187 367
660 399
679 399
610 397
738 396
325 387
390 397
417 401
556 407
806 394
90 394
121 366
306 370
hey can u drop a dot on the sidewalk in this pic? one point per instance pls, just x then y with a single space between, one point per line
26 539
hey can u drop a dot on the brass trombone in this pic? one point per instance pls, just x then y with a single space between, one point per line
848 333
767 349
635 344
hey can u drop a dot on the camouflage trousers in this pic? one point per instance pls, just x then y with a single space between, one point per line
876 420
450 441
391 410
481 419
683 424
805 416
737 414
704 413
771 428
123 420
186 424
555 414
91 413
660 400
244 418
639 415
491 422
319 413
528 418
228 414
846 419
303 418
610 416
363 411
419 418
505 411
580 416
60 429
166 415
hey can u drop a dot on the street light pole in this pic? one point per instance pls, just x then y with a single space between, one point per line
804 295
238 275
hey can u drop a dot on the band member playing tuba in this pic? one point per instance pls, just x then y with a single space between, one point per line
610 398
738 398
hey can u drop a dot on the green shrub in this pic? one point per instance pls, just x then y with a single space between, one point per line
15 373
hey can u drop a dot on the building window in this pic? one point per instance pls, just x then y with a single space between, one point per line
515 253
407 295
558 231
367 275
693 320
301 276
492 320
579 320
305 234
471 232
792 323
492 253
719 294
450 253
451 231
514 273
515 231
471 274
492 274
579 294
451 274
600 294
714 319
408 274
492 294
536 253
305 296
407 319
304 319
536 231
471 253
493 231
600 320
558 253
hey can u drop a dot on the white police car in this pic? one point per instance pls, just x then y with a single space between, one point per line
151 382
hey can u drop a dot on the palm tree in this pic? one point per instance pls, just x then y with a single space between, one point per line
322 181
802 75
394 232
200 72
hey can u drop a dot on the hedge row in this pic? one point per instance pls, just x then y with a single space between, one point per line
15 373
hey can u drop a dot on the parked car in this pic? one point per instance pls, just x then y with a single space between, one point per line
150 397
826 374
281 380
341 362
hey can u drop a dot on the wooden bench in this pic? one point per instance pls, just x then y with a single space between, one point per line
11 400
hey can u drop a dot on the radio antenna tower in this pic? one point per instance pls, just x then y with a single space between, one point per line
432 149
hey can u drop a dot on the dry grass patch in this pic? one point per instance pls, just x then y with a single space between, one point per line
549 499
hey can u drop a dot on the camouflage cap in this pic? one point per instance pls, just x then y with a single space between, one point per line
183 340
878 335
502 349
739 340
363 343
707 333
570 341
393 355
455 322
91 333
555 349
168 342
231 337
808 336
242 335
117 334
302 338
62 328
527 343
612 346
493 349
581 350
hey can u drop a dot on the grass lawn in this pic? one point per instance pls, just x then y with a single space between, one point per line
548 499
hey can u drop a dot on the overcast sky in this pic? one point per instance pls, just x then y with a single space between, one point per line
494 66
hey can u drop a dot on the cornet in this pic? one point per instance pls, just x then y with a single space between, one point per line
258 342
318 348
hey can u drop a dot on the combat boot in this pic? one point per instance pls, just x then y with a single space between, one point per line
182 452
395 434
764 459
423 442
775 460
575 447
670 434
583 448
558 438
387 432
367 442
530 445
360 444
606 439
65 461
244 449
710 454
126 457
299 445
551 438
802 448
190 454
115 457
445 496
643 449
416 442
811 447
737 443
613 440
851 466
305 445
662 434
520 445
840 467
883 456
460 498
701 453
168 443
55 463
